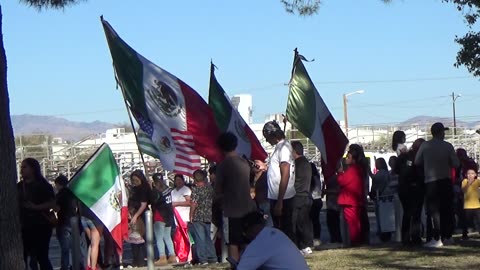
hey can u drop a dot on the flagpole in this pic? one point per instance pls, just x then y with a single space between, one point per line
295 55
131 121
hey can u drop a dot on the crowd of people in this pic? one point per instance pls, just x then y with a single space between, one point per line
268 214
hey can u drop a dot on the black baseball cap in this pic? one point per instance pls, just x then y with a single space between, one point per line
438 128
270 128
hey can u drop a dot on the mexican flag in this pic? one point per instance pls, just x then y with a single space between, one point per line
175 117
146 145
307 111
229 119
99 186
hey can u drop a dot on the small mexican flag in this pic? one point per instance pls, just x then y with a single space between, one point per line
229 119
307 111
99 186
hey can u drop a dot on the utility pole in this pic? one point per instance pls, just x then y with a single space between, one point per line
345 111
454 99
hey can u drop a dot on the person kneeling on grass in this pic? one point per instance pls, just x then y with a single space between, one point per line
268 248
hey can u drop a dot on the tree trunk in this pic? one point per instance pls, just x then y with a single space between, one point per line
11 249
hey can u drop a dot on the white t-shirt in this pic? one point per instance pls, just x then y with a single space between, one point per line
272 249
179 196
282 153
401 148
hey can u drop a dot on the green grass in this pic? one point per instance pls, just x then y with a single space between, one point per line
462 255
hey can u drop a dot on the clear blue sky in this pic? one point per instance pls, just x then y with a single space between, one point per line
59 63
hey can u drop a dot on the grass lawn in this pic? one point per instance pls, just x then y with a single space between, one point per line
462 255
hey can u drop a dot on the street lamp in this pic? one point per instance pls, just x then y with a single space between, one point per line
454 99
345 112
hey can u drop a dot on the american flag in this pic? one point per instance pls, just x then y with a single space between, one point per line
186 158
144 123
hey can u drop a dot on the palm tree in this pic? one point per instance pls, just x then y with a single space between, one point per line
11 248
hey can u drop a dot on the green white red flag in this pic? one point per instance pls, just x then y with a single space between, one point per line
175 117
229 119
307 111
99 186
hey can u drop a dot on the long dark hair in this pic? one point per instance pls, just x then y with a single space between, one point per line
37 169
381 164
140 175
398 138
416 144
358 155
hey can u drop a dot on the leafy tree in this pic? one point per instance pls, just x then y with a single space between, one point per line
302 7
469 54
10 237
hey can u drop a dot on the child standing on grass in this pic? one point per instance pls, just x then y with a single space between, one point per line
471 203
201 218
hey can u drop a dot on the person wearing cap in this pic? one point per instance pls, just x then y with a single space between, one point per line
163 220
268 248
438 157
280 178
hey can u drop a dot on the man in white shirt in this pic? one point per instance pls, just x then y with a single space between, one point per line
268 248
181 198
280 177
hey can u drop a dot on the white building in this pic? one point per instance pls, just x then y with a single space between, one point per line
244 105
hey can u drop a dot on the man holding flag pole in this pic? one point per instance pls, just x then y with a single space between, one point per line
306 111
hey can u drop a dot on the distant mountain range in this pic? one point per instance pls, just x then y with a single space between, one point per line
423 120
27 124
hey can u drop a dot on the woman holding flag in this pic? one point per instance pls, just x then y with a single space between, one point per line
352 193
137 205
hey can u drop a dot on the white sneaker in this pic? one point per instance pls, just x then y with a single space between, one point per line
316 242
448 242
434 244
306 251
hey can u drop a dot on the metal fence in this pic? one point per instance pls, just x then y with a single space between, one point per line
66 158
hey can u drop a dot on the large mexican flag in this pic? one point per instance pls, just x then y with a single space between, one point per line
229 119
175 117
307 111
99 186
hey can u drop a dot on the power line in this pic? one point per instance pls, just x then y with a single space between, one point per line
398 80
446 78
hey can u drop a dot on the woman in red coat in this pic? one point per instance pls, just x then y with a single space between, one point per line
352 193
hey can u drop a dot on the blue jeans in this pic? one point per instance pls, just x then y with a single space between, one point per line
201 235
64 236
163 235
264 207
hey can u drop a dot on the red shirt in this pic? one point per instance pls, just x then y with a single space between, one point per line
157 217
351 186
